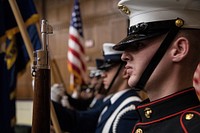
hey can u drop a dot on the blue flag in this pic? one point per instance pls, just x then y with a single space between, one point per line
13 56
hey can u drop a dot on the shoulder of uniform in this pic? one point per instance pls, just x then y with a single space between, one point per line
190 119
123 113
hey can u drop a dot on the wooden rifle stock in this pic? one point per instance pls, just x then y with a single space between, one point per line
41 104
42 84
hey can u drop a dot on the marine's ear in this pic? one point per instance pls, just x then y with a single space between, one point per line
179 49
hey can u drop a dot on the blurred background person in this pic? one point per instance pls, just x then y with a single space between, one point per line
86 97
96 82
80 101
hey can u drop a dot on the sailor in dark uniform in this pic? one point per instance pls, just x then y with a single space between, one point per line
162 52
117 112
120 115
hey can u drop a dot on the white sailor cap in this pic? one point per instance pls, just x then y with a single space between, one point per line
95 73
110 55
150 18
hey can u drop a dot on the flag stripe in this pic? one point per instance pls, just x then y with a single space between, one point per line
77 41
73 69
75 50
79 57
74 46
73 60
75 63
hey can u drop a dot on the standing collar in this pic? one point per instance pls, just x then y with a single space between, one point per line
168 106
117 95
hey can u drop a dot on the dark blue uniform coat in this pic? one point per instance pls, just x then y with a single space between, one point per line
176 113
86 121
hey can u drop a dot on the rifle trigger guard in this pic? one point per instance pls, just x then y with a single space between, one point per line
33 72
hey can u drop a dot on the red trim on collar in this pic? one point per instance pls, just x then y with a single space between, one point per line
164 98
182 125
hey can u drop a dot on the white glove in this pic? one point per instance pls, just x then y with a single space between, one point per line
65 103
57 92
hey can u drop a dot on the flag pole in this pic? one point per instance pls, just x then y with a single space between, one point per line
56 70
29 48
22 28
71 82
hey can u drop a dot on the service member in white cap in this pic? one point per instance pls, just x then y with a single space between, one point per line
162 52
120 115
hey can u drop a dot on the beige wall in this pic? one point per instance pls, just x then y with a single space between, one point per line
102 22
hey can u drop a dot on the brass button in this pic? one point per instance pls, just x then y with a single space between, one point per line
124 9
139 130
189 116
179 22
147 112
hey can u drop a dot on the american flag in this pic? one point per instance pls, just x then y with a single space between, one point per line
76 53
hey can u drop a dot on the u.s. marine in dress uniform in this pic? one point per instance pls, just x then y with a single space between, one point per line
162 52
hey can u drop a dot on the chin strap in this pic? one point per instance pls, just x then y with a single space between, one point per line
176 25
115 76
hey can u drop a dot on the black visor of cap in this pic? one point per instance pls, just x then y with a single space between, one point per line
105 66
143 31
110 60
99 63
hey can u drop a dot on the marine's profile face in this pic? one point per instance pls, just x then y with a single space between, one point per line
138 57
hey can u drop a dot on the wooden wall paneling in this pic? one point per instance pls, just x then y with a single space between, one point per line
58 45
24 85
102 22
118 29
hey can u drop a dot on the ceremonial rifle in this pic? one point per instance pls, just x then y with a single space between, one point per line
42 84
